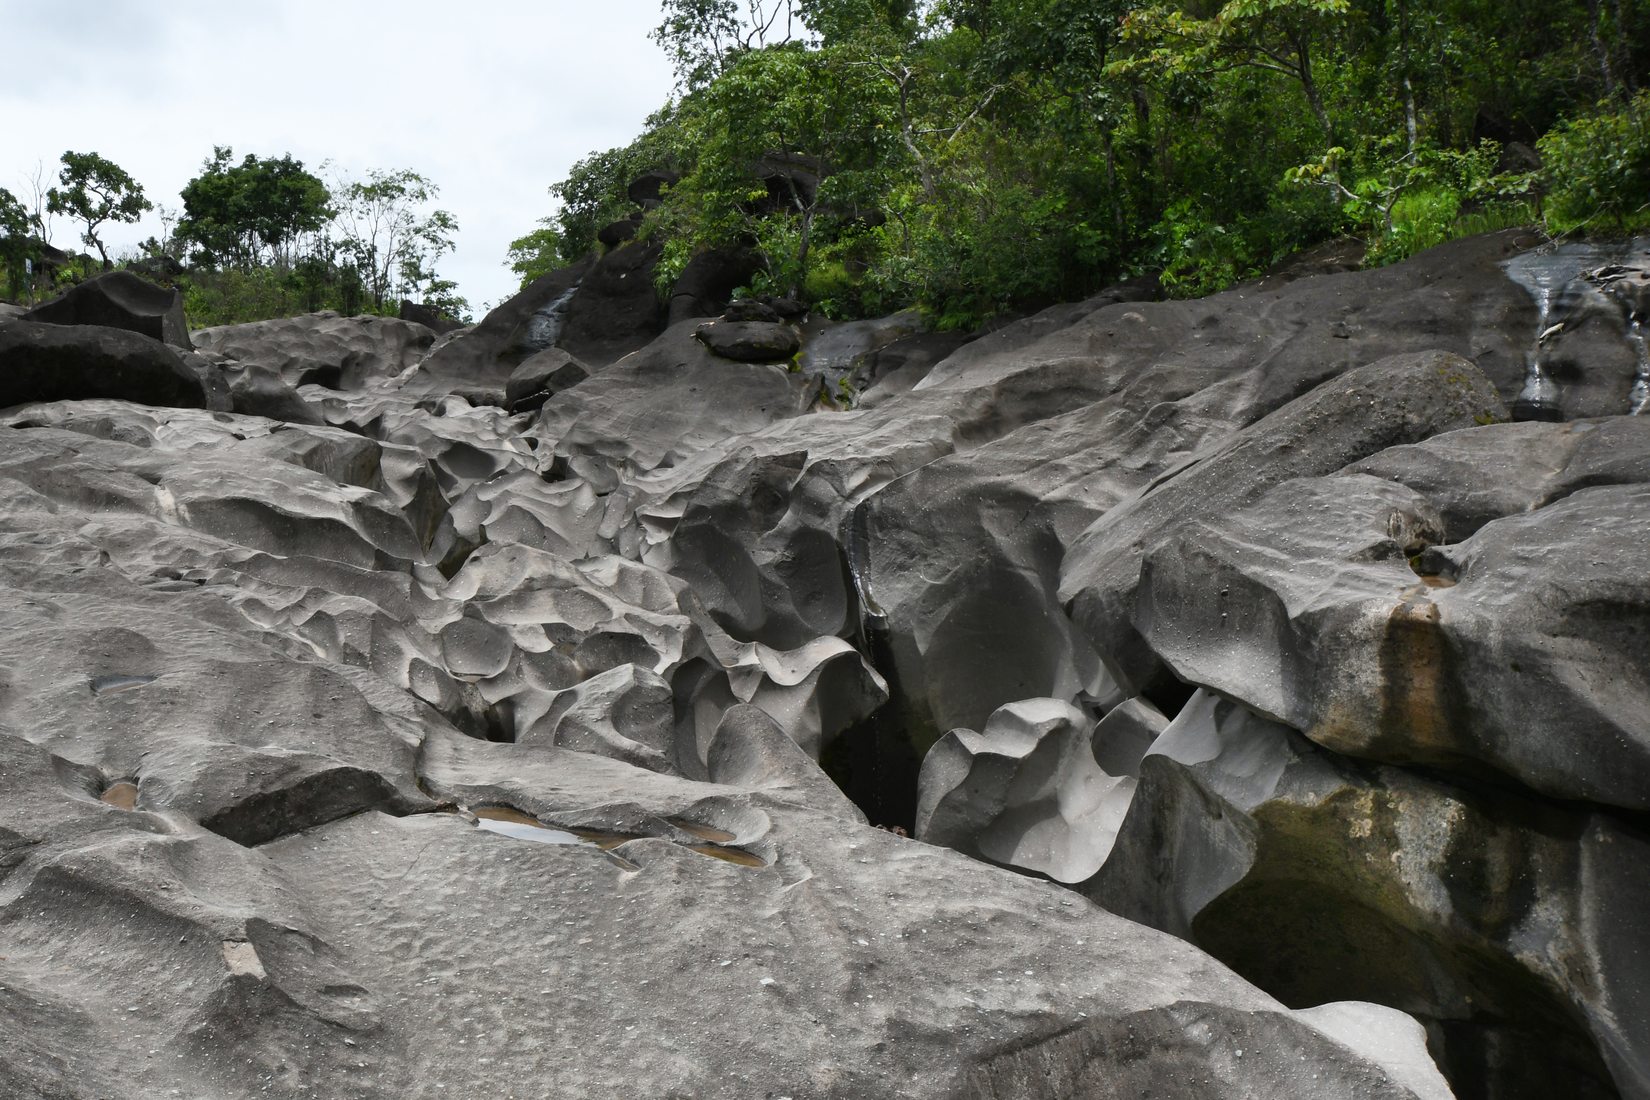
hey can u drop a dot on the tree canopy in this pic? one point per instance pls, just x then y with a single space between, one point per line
93 191
980 156
251 213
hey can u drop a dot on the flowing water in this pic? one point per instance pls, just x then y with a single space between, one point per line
1545 273
1638 400
545 325
1558 279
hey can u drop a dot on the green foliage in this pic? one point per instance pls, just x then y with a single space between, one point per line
980 157
536 253
1598 169
16 248
385 233
251 213
595 190
94 191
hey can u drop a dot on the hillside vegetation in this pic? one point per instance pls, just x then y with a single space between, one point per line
979 156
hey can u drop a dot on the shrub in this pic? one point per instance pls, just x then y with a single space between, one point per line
1598 169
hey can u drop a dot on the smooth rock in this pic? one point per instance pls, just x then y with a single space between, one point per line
324 349
52 362
749 341
1024 792
1403 399
1502 922
120 299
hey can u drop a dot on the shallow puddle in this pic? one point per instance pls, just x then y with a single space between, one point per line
511 822
1435 581
729 855
605 841
703 832
122 795
110 685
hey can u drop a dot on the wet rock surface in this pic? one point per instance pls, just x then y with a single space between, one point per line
426 717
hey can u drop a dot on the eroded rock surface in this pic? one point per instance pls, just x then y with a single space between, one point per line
435 717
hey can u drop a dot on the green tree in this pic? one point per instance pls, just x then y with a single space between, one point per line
95 191
386 234
254 212
536 253
16 245
1276 36
703 37
1599 168
820 125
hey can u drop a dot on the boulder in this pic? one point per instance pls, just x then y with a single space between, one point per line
749 341
751 309
1024 792
322 349
708 281
647 188
1504 923
119 299
1398 400
616 309
542 376
260 391
52 362
614 234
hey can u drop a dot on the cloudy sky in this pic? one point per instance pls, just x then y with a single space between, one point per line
493 100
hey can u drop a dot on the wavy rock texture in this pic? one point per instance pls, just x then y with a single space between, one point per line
365 738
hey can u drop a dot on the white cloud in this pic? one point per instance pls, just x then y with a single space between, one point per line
492 99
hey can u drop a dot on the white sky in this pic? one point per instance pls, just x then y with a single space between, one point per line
493 100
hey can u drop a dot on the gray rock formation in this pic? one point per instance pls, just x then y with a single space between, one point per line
1024 792
425 717
1403 399
119 299
1306 607
48 362
1504 923
324 349
228 742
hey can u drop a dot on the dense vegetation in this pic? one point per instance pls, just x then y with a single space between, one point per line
261 237
987 155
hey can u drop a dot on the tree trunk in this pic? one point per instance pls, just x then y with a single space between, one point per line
1405 60
1310 87
1111 190
1599 51
1624 41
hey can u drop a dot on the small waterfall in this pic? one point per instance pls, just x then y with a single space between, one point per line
1544 273
1638 399
1538 400
544 326
1566 283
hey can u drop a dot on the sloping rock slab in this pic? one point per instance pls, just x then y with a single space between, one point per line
1519 653
1402 399
119 299
1507 924
324 349
51 362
